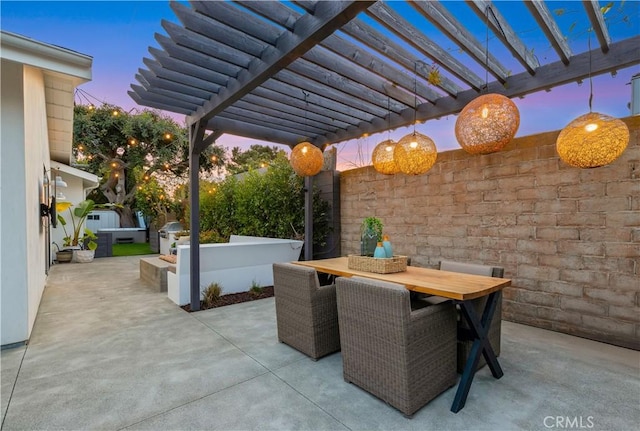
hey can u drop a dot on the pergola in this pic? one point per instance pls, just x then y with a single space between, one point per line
330 71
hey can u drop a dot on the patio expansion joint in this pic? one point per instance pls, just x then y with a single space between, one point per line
268 371
193 400
312 402
243 351
13 387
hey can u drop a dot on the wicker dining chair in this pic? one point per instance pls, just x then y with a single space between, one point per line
404 357
464 338
306 313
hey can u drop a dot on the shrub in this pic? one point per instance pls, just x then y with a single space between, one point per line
256 289
211 236
211 295
268 205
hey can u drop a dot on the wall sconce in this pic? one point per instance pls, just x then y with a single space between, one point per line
48 209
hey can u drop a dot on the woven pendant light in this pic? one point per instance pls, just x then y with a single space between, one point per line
415 154
592 140
490 121
382 158
306 159
487 124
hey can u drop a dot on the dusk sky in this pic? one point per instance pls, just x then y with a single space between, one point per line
117 34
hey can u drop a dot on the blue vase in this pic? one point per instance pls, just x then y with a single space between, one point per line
379 252
386 244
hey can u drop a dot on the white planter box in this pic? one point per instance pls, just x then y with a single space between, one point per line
234 265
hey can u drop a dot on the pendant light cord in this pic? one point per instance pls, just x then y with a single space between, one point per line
486 51
415 95
306 106
590 79
486 44
388 117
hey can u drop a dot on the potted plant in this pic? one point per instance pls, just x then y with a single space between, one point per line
64 255
81 239
370 235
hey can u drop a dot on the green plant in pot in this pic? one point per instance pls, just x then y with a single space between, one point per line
370 235
79 237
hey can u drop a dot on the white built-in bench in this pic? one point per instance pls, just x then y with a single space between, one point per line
235 265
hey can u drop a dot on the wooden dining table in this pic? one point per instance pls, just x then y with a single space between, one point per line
459 287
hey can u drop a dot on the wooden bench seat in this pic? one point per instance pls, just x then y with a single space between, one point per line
153 271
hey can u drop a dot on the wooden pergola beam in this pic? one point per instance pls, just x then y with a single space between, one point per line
597 23
310 29
488 12
456 31
621 54
548 25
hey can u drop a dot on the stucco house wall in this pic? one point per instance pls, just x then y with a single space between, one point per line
29 114
568 238
13 206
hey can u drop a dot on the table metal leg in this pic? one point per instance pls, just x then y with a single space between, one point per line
480 330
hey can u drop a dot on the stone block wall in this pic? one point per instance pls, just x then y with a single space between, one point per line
568 238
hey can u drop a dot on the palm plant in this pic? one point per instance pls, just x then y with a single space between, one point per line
79 237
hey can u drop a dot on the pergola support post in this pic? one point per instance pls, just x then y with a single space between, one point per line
196 135
308 218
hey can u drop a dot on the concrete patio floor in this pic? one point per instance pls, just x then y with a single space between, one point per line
108 353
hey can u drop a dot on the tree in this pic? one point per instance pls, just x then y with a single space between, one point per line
256 157
112 143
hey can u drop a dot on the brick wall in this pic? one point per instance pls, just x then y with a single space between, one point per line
568 238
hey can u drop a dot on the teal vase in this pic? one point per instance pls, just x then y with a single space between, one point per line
386 244
379 252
